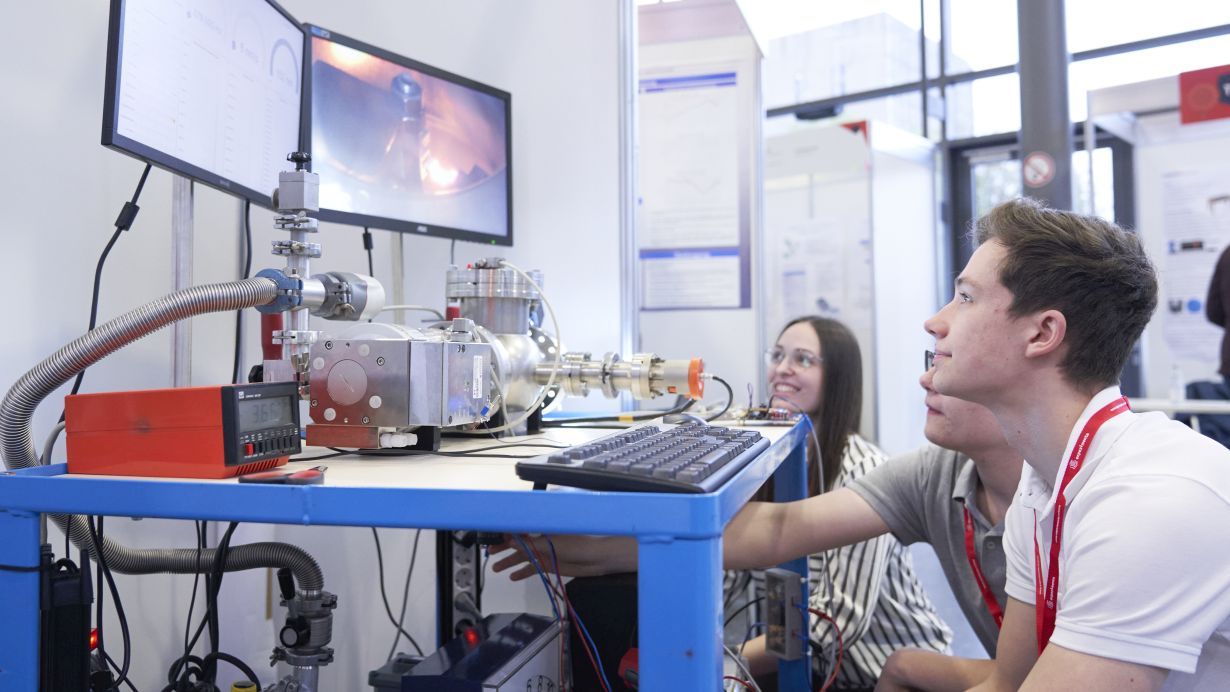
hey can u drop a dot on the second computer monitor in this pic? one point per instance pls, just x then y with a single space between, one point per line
405 146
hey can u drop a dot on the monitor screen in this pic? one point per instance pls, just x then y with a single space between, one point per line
209 90
405 146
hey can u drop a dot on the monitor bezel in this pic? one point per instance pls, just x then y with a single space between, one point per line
388 223
112 139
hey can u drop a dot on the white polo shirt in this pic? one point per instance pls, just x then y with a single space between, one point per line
1145 563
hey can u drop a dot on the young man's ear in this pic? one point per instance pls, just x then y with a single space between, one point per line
1048 330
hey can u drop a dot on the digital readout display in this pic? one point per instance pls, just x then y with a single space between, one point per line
258 414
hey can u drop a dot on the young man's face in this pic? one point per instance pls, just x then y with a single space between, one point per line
957 424
978 345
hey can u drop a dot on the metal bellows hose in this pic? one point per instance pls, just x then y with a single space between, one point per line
18 406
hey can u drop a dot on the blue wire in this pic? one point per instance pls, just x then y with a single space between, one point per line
577 616
541 574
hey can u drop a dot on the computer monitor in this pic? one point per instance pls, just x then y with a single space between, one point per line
209 90
404 146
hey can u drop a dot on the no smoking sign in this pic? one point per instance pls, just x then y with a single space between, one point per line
1038 169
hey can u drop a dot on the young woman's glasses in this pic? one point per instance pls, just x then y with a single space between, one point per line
802 360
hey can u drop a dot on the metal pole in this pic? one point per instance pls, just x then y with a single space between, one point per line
629 303
1046 125
399 276
181 277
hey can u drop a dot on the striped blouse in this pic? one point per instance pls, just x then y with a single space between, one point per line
876 600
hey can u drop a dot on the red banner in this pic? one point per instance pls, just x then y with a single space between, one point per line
1204 94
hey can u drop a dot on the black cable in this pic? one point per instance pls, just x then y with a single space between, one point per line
96 535
424 452
210 659
384 594
196 579
742 608
247 270
452 252
403 452
367 245
213 583
405 599
125 680
128 214
622 417
730 396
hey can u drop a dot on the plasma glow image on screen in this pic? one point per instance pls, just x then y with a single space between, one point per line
392 142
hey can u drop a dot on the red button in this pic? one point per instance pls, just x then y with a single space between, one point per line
249 449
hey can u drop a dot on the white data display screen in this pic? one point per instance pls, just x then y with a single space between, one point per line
214 84
258 414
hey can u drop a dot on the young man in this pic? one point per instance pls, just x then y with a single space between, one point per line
949 499
1117 571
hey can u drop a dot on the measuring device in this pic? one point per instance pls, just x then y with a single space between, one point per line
193 432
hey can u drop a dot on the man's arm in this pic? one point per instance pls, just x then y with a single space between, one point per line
764 534
761 535
1016 651
916 669
1060 668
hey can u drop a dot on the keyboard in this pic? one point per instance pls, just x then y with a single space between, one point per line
688 458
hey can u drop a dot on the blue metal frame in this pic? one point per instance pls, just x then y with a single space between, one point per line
679 535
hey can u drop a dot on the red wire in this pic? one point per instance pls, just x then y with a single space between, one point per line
840 647
563 594
741 681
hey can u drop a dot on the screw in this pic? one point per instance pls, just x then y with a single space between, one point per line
366 420
328 345
315 403
380 360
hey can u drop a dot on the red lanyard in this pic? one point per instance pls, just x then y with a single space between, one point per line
1048 595
987 594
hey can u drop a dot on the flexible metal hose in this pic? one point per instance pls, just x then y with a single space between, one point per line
17 444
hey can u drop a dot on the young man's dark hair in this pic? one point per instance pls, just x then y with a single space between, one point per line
1091 270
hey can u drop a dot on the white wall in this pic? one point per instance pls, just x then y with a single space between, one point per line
61 192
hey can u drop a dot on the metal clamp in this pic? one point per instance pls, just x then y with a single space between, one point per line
294 247
289 289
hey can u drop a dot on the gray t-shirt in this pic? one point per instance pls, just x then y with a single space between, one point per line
921 495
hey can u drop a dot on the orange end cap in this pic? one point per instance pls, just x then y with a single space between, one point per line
696 386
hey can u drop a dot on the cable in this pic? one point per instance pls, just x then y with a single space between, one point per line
384 595
196 579
240 665
840 647
749 679
580 625
49 445
730 397
746 637
542 574
96 536
247 270
414 308
405 595
367 245
742 608
741 681
452 252
128 214
427 452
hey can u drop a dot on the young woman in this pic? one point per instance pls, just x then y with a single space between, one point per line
815 368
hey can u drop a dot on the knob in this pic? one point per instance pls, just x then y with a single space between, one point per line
294 633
